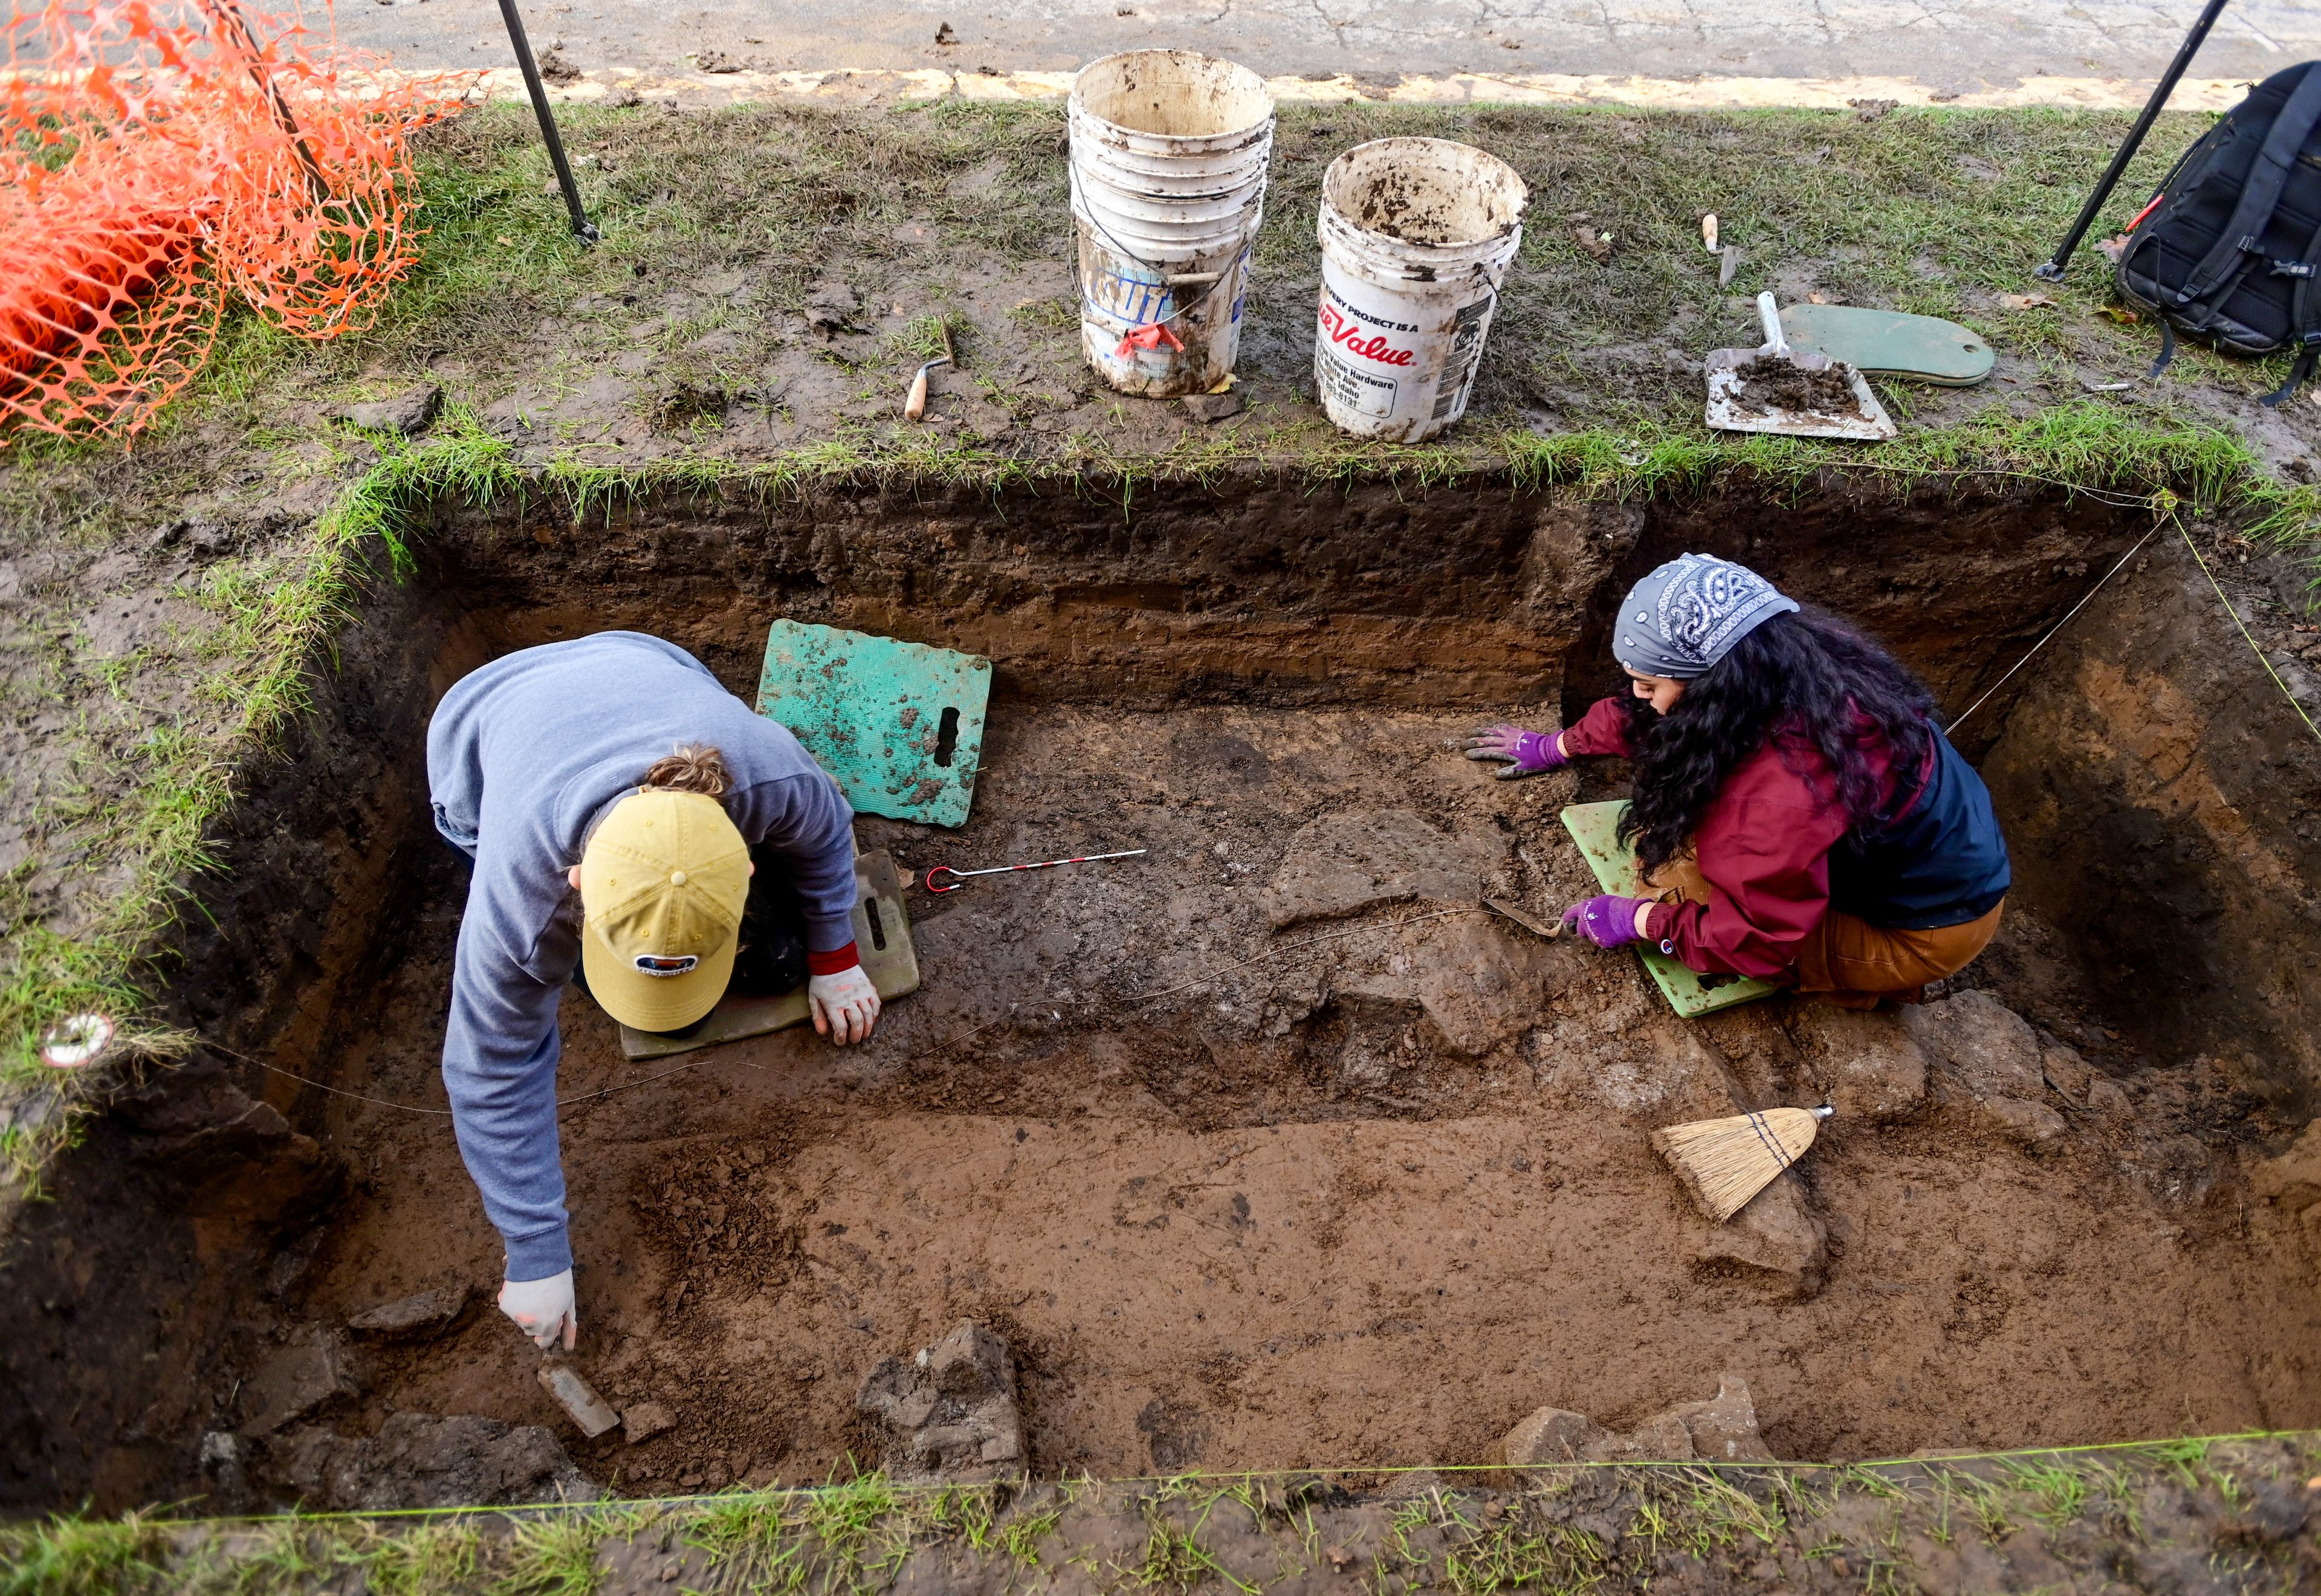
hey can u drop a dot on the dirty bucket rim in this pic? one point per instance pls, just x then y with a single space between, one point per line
1334 209
1243 78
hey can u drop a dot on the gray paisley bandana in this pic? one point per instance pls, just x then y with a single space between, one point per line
1688 613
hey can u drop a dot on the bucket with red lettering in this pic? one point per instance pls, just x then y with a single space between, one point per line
1169 152
1417 237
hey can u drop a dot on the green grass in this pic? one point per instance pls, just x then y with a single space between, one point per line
1571 1529
422 1561
551 1556
1934 211
151 827
74 1555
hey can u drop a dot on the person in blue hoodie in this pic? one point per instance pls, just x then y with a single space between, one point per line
617 804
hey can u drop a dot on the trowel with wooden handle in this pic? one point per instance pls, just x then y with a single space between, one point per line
914 403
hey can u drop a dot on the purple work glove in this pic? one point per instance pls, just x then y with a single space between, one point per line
1525 753
1607 920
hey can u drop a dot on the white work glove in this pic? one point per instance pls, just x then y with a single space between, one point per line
845 1005
543 1309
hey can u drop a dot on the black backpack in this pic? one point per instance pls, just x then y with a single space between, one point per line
2226 250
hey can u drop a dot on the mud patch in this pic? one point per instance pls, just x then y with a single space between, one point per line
1765 386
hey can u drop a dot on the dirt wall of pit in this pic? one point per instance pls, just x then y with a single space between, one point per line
1256 591
2163 801
177 1229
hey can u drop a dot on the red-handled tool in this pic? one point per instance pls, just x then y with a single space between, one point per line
958 876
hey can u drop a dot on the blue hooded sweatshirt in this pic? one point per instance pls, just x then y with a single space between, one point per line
522 757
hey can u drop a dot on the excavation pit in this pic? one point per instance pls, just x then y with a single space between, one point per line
1365 1201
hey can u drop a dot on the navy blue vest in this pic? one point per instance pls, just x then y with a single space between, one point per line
1941 864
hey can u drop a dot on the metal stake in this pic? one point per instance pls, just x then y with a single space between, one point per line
225 13
2053 272
582 228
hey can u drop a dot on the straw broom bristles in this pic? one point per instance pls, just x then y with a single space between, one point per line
1724 1163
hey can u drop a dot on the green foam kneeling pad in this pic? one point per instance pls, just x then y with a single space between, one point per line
1595 827
899 726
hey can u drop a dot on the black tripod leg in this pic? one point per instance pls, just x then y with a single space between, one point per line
582 228
2052 271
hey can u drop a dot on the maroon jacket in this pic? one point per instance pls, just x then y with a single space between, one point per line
1763 848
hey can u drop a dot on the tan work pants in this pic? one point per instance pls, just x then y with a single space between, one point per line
1853 963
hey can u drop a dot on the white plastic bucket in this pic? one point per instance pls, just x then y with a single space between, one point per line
1168 167
1417 235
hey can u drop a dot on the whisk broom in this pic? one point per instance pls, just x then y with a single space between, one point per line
1724 1163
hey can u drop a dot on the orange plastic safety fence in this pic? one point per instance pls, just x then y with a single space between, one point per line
158 154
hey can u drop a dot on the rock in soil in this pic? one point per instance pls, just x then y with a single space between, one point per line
1721 1429
949 1413
1990 1052
642 1421
2023 1123
1869 1064
1214 407
1772 1233
1344 864
422 1460
1480 986
1988 1045
2069 1073
294 1383
420 1316
2292 1182
2108 1102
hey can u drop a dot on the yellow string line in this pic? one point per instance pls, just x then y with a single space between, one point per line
772 1492
2234 610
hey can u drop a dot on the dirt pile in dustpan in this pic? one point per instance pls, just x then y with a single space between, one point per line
155 158
1767 385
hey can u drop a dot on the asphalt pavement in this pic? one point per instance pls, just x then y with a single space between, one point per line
1951 47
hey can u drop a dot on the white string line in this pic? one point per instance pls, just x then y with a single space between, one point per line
334 1090
2052 630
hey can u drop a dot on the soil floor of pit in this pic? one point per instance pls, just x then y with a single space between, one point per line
1282 1219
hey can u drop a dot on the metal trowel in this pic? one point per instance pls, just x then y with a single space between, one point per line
1775 389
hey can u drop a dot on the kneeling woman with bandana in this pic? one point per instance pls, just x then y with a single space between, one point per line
1805 818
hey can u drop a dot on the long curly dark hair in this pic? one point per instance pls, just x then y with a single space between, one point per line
1808 678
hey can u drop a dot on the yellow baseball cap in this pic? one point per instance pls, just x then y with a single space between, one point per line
662 883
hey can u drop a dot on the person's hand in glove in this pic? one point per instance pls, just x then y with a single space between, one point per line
1608 919
543 1309
845 1005
1522 753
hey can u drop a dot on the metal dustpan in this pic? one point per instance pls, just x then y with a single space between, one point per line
1778 389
